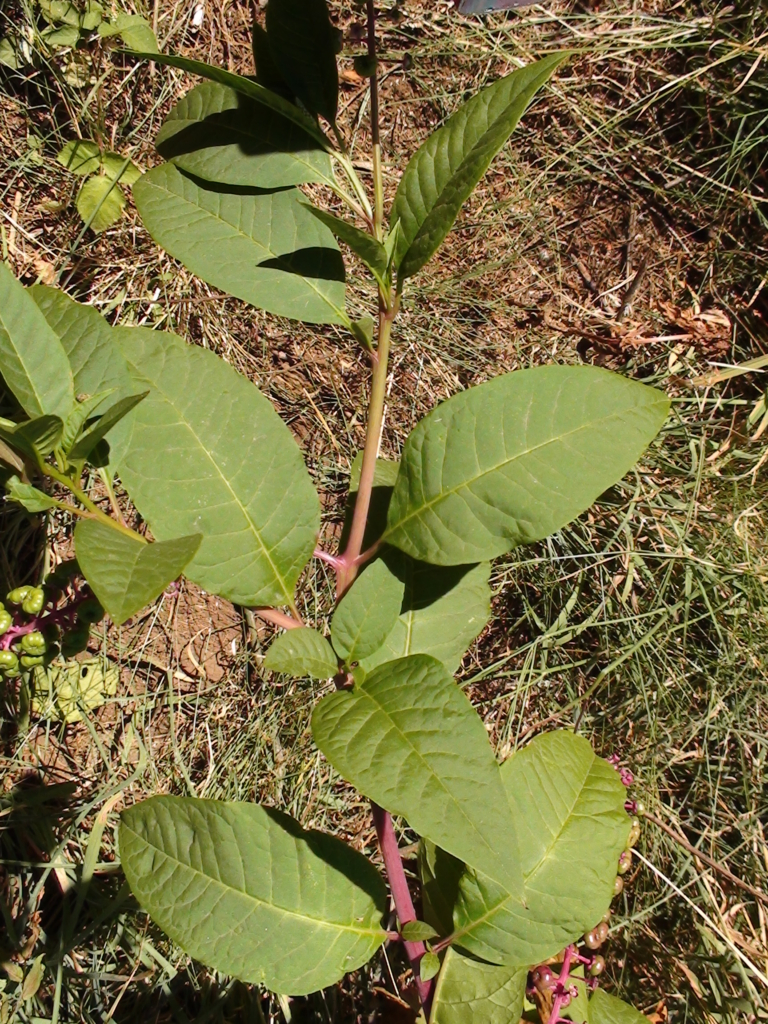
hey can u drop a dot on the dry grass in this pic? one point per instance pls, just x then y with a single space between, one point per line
644 623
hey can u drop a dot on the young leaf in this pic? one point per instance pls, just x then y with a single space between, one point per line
472 992
409 739
124 574
120 168
220 135
605 1009
567 805
32 361
429 965
514 459
135 31
85 445
303 44
245 86
418 931
263 247
444 609
302 652
369 249
366 614
247 891
82 411
210 455
28 496
97 364
100 202
41 434
80 156
445 169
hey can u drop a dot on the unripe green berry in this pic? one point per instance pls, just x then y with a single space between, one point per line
364 65
9 663
90 611
30 660
18 595
602 932
640 808
75 641
618 885
592 939
625 862
34 601
597 967
606 918
6 621
33 643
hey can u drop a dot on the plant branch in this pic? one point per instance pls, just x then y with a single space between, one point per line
401 894
278 618
561 988
378 182
93 509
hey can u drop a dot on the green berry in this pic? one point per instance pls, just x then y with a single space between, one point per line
34 643
18 595
625 862
6 621
618 885
75 641
640 808
30 660
34 601
90 612
597 967
592 939
9 663
365 66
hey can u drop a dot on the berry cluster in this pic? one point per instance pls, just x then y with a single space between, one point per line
38 623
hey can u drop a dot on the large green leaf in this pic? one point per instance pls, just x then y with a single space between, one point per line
440 874
96 361
210 455
369 249
263 247
605 1009
367 613
127 575
445 169
303 45
246 86
220 135
247 891
408 738
302 652
444 609
472 992
514 459
568 810
32 361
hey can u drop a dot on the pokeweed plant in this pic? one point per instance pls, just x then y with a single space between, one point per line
518 861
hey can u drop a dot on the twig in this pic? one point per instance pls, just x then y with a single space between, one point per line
682 841
278 618
630 293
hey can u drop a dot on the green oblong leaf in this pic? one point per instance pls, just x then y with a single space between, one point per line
247 891
80 156
210 455
41 434
218 134
302 652
27 496
33 362
302 42
444 608
263 247
100 202
366 614
96 362
510 461
605 1009
472 992
135 31
246 86
125 574
445 169
568 808
369 249
409 739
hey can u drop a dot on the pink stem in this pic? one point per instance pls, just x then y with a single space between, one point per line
326 556
277 618
561 986
401 895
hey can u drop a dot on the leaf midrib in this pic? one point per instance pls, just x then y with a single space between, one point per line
287 593
443 495
255 899
249 238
